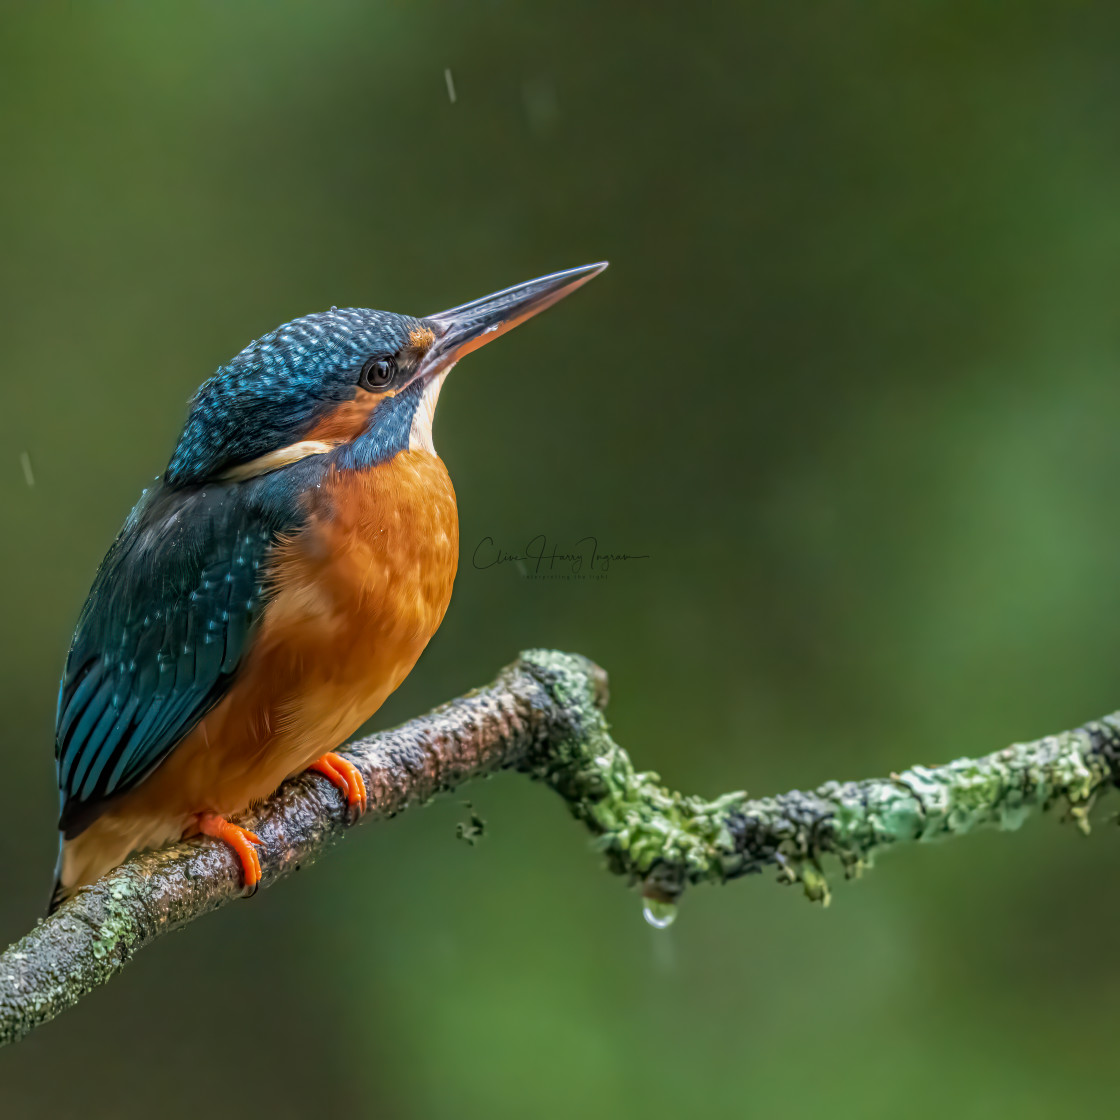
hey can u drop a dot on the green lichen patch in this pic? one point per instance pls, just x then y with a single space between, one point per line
118 930
667 840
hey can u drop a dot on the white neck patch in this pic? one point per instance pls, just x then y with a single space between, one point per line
420 436
281 457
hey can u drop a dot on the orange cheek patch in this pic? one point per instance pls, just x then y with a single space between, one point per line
421 338
348 420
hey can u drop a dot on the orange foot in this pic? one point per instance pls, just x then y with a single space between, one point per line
241 840
345 775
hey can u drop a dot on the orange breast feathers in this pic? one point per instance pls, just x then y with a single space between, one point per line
357 596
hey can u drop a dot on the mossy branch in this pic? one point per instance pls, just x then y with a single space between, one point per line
544 716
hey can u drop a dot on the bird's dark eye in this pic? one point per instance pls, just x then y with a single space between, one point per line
377 373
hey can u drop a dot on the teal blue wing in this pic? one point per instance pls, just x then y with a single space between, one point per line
167 623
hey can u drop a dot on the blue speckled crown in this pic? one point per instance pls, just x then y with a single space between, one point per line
279 386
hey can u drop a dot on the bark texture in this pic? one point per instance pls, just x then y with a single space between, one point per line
544 715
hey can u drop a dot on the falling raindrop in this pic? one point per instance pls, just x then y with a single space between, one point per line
659 914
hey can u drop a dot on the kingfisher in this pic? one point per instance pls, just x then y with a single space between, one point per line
273 586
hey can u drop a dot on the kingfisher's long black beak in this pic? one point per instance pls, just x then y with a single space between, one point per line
463 329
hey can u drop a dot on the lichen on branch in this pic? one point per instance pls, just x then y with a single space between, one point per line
668 840
544 716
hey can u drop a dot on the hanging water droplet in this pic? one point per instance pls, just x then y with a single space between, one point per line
659 914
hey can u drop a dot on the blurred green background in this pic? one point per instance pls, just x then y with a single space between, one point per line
851 382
